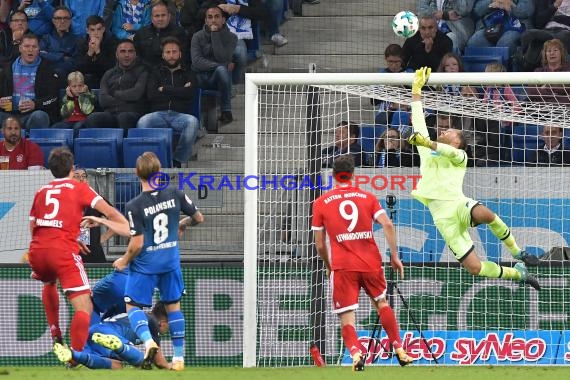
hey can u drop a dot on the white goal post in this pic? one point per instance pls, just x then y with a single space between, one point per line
290 119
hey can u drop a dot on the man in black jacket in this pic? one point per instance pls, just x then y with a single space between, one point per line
123 91
148 39
95 53
29 87
171 90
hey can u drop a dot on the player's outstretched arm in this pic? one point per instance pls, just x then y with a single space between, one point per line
390 234
115 220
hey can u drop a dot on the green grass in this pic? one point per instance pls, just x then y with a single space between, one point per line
308 373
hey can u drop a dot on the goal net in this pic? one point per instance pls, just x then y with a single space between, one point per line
516 127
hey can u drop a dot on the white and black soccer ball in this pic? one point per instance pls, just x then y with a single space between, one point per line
405 24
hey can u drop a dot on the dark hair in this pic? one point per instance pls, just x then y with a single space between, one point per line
30 36
60 162
15 118
353 129
209 5
170 40
125 41
393 50
94 20
343 167
159 2
63 8
159 311
18 12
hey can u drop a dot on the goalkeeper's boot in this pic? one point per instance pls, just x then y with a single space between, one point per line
403 358
62 352
177 364
149 354
530 260
358 360
109 341
526 277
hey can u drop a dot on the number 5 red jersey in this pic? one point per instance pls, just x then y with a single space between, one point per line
57 212
347 214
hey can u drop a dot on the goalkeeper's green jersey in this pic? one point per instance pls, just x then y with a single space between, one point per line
442 170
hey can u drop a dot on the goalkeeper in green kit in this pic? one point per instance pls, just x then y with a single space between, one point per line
443 166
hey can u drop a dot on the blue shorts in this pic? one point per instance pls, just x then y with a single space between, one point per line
140 287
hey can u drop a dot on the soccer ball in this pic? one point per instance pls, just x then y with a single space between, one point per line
405 24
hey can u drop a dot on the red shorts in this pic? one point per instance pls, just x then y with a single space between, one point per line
49 265
346 287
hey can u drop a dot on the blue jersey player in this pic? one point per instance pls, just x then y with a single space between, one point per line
153 256
111 343
108 296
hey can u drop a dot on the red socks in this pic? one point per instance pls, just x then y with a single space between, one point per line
388 321
350 339
79 330
50 299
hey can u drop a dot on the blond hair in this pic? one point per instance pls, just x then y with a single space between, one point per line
147 164
495 67
76 76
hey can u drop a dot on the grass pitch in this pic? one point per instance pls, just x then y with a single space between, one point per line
303 373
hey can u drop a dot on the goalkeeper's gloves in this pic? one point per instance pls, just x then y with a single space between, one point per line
417 139
420 79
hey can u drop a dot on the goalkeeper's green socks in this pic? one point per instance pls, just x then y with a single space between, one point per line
502 231
490 269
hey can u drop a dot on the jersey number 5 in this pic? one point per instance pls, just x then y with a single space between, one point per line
50 200
160 226
351 214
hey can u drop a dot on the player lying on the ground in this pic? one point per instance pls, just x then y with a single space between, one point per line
108 296
443 166
111 344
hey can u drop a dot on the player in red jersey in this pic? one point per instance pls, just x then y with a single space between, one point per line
346 214
55 219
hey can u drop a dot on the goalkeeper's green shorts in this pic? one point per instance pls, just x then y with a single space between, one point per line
453 220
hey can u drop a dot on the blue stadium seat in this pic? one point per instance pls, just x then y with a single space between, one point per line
104 133
55 133
369 135
477 63
164 134
400 118
96 153
525 141
133 147
47 144
501 51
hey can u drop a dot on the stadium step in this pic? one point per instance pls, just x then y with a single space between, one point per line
299 63
357 7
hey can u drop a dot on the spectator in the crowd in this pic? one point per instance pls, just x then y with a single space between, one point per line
554 58
345 142
427 47
5 9
171 90
453 18
520 17
39 14
77 103
95 53
394 64
58 47
11 37
148 38
29 87
488 131
189 17
551 20
553 152
392 151
130 16
21 152
275 8
212 50
82 10
452 63
122 92
241 15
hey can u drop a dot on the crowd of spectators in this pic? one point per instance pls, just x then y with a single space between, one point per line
126 63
